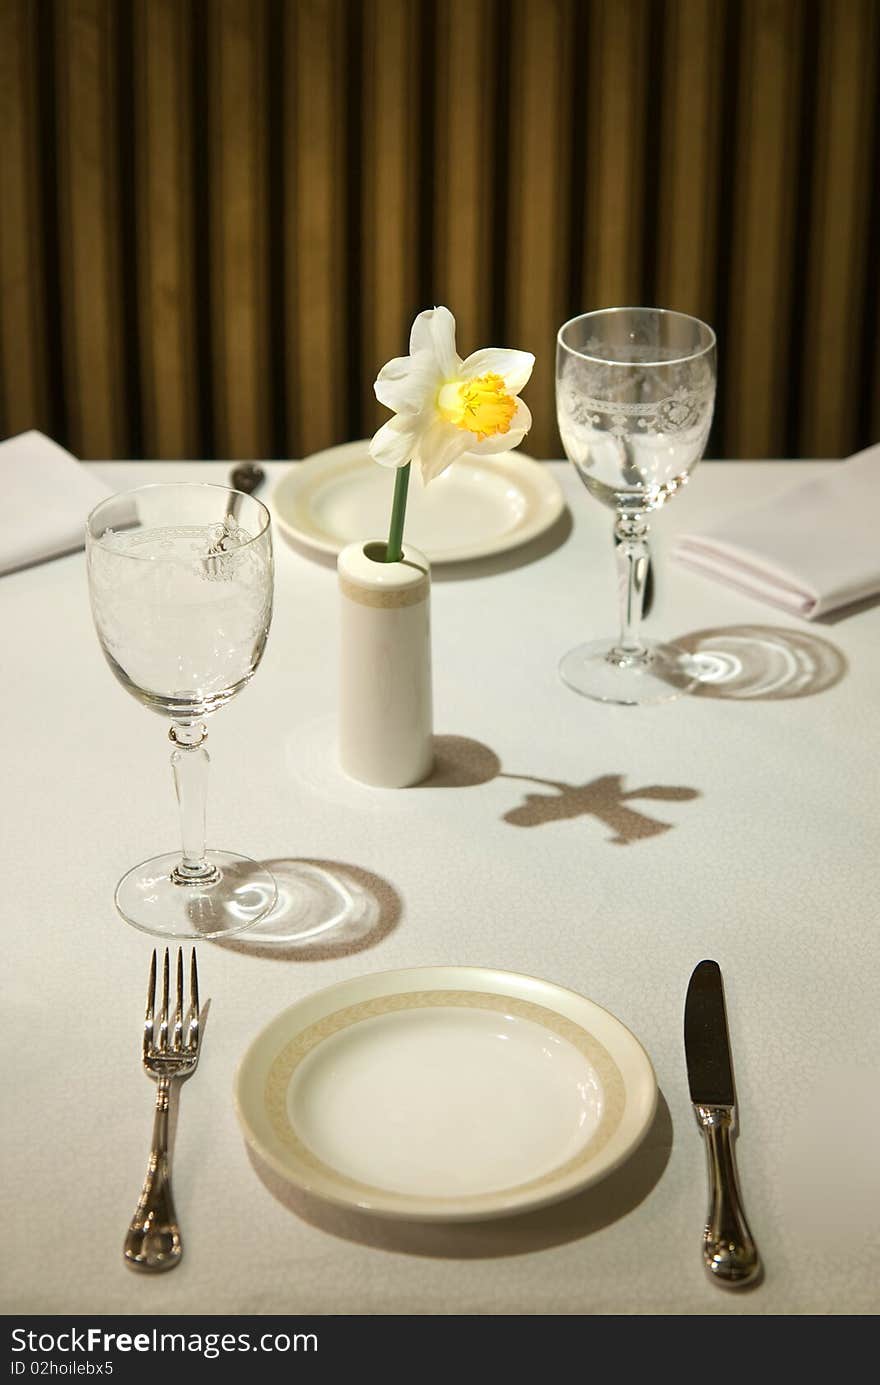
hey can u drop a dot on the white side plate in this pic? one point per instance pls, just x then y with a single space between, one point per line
479 506
444 1093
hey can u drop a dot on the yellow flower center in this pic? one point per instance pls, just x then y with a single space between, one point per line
482 406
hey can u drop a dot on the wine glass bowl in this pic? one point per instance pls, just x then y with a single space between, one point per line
182 610
635 393
181 584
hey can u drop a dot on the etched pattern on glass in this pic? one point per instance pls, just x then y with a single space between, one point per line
183 634
635 435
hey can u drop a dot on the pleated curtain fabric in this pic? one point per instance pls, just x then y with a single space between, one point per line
220 216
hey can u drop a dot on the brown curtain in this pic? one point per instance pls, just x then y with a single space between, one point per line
219 217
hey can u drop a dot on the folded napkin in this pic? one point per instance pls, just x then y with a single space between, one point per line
47 496
808 551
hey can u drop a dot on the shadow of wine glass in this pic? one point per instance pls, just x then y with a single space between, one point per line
324 910
762 663
461 762
571 1220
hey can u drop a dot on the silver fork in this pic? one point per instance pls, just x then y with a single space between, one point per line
153 1240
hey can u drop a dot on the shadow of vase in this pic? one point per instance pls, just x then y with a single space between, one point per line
461 762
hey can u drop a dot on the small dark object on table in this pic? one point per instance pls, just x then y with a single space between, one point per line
247 477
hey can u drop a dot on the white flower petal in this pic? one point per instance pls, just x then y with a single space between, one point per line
493 447
393 445
522 419
514 367
405 383
439 446
434 331
505 442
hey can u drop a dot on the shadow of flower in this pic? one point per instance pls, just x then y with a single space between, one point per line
461 762
604 798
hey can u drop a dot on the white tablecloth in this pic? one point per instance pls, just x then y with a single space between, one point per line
767 862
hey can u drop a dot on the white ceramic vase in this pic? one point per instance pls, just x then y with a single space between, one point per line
385 702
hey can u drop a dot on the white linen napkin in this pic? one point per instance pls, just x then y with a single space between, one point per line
809 551
47 496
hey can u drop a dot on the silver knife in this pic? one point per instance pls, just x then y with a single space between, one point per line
729 1252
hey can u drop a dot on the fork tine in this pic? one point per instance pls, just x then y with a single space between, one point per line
153 1241
178 1009
163 1017
194 984
151 1004
193 1035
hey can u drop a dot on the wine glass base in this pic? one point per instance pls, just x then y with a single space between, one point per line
149 898
597 670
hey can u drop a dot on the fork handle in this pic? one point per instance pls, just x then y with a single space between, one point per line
153 1240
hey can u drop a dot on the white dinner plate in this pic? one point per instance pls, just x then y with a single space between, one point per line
444 1093
478 506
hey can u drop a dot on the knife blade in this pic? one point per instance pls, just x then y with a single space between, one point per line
729 1251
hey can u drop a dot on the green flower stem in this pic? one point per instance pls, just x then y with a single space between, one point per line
394 547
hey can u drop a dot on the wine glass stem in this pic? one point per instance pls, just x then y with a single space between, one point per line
633 558
189 763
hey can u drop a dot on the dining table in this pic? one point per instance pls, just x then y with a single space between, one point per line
605 849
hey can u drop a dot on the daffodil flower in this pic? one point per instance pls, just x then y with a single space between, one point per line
445 406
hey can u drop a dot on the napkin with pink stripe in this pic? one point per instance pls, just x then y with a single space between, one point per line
809 551
47 495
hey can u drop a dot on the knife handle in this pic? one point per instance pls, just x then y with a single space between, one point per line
729 1252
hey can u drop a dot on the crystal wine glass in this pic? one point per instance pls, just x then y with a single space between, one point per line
180 582
635 392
